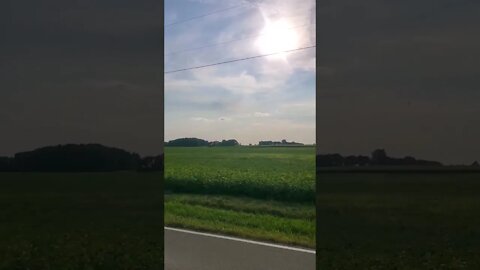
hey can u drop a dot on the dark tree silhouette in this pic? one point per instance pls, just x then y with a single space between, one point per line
194 142
77 157
187 142
80 158
231 142
379 158
277 143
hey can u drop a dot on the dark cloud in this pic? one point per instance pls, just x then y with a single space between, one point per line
402 75
81 71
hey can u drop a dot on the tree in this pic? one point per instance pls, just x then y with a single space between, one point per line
187 142
379 157
77 157
231 142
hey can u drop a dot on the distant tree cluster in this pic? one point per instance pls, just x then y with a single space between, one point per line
194 142
187 142
231 142
79 158
378 158
277 143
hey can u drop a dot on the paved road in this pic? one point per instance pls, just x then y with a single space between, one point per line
188 250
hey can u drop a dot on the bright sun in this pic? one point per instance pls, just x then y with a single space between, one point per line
277 36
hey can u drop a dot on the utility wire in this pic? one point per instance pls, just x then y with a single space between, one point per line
239 39
229 41
204 15
237 60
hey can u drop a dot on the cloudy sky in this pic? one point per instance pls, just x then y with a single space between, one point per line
400 75
269 98
80 72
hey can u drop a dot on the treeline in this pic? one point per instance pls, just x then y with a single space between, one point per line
80 158
194 142
277 143
378 158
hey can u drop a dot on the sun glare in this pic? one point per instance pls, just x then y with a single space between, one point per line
277 36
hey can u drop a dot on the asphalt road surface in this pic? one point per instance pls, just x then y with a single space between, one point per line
189 250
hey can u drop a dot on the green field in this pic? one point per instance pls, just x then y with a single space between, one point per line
81 221
264 193
398 221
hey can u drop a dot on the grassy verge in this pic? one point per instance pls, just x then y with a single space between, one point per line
398 221
287 223
81 221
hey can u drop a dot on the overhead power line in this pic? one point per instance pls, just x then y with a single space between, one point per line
229 41
237 39
237 60
204 15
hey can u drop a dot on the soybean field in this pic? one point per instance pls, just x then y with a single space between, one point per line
264 193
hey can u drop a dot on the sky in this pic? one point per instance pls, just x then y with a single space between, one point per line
269 98
399 75
81 72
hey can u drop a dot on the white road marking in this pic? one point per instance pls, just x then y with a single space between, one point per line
242 240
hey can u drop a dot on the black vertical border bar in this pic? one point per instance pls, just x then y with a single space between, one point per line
161 102
162 133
